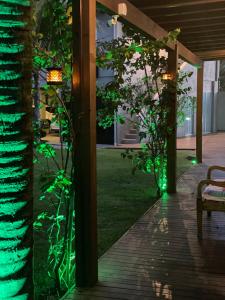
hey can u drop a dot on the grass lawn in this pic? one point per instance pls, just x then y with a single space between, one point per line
122 199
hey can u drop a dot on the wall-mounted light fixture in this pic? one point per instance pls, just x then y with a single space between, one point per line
167 76
54 76
122 9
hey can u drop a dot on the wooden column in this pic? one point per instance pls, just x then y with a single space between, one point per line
172 123
84 122
200 79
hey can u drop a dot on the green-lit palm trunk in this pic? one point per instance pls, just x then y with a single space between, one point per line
16 237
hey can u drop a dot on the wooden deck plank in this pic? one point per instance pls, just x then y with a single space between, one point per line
160 257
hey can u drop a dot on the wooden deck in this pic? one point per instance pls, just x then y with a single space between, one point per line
160 256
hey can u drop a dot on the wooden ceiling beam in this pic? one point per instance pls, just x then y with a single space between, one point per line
205 41
211 55
172 3
202 34
138 19
201 17
208 48
196 25
173 11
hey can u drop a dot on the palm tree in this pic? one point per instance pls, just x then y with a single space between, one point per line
16 167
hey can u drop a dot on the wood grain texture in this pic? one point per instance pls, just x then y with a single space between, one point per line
160 256
84 120
200 80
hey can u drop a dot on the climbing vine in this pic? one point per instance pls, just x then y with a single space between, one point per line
52 37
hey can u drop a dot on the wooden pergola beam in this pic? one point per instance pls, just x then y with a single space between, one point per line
195 25
212 55
84 124
175 3
174 11
200 83
144 23
204 35
193 18
210 48
172 124
213 29
207 41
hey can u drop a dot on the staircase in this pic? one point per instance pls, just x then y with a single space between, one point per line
131 137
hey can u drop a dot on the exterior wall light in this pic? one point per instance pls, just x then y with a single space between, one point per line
54 76
167 76
122 9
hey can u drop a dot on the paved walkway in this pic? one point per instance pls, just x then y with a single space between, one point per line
160 256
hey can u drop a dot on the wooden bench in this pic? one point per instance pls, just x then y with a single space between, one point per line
210 196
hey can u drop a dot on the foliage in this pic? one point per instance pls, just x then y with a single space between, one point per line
52 47
139 92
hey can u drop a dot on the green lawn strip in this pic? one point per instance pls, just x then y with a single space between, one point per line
122 199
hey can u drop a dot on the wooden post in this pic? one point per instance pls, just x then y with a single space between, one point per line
172 123
84 122
200 79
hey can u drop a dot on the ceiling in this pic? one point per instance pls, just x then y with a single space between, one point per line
202 22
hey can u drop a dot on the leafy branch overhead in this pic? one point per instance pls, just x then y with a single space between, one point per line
139 95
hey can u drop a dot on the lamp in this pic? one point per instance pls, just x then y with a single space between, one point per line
122 9
54 76
167 76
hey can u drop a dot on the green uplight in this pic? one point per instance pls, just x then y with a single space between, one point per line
194 161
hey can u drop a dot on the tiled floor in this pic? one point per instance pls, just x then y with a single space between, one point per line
160 256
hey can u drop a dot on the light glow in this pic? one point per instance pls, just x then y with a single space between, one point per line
15 177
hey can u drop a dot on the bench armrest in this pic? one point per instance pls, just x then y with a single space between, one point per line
212 168
207 182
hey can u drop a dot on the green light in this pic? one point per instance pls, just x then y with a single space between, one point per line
7 10
14 177
13 256
9 88
5 35
8 62
18 2
12 172
9 75
6 160
11 118
12 187
10 209
10 288
15 231
194 162
11 23
14 146
10 269
9 244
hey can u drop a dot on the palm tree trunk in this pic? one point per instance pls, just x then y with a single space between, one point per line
16 167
